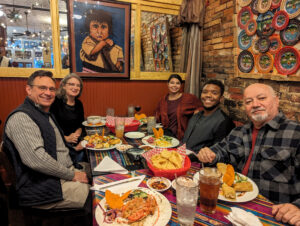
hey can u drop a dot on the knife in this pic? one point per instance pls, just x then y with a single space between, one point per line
100 187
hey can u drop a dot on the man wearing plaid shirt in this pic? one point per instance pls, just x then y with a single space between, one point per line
266 150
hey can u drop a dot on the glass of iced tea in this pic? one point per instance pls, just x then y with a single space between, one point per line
119 127
209 184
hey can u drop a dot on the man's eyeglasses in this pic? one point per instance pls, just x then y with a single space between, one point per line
45 88
73 84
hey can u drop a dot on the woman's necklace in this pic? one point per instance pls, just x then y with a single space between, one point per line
175 96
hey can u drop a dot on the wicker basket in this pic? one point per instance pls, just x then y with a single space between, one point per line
170 174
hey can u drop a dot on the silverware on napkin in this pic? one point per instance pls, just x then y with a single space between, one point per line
119 182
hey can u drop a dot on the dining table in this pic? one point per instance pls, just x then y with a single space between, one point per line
260 206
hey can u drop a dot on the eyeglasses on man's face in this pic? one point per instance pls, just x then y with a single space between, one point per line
45 88
73 84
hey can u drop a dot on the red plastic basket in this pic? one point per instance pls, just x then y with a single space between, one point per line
128 128
170 174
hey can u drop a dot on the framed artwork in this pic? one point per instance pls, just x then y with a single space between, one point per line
99 38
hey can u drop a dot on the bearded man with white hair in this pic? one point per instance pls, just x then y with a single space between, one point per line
267 150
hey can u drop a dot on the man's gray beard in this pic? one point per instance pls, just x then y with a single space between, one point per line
259 118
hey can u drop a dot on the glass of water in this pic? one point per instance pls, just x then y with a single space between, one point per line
186 199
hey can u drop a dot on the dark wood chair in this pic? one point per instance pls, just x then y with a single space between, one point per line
41 217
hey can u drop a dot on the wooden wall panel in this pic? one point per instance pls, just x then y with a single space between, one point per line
97 95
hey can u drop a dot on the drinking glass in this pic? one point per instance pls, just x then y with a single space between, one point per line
110 111
186 199
209 183
119 127
137 108
130 111
151 123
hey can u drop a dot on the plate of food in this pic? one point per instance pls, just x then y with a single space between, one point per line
121 210
243 189
161 142
159 184
134 135
100 142
101 123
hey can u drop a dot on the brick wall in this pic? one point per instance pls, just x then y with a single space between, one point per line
218 62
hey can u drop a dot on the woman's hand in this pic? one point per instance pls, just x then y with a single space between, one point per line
78 147
72 138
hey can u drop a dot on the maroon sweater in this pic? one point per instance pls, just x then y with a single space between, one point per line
185 110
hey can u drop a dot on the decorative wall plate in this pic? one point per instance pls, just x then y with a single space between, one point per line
254 45
263 5
254 7
280 20
291 34
287 60
244 16
264 24
243 3
244 40
264 62
275 4
251 27
263 44
245 61
275 44
292 7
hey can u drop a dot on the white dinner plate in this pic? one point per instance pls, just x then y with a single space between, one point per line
134 135
164 208
158 125
174 142
85 123
247 196
84 143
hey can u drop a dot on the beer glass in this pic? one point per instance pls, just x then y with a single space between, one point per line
209 183
119 127
130 111
186 199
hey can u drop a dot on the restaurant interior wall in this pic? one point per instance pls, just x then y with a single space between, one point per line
220 61
144 88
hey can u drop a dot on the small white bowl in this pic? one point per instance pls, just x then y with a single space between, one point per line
123 147
93 119
164 180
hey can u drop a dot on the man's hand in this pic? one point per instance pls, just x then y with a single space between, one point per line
287 213
206 155
81 177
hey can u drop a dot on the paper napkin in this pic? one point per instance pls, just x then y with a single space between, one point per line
121 185
109 165
240 217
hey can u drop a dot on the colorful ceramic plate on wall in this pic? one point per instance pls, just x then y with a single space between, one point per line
264 24
254 7
292 7
275 4
254 46
263 5
251 27
287 60
243 3
291 34
244 16
280 20
264 62
245 61
275 44
244 40
263 44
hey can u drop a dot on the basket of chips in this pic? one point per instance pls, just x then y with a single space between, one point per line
168 163
131 124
